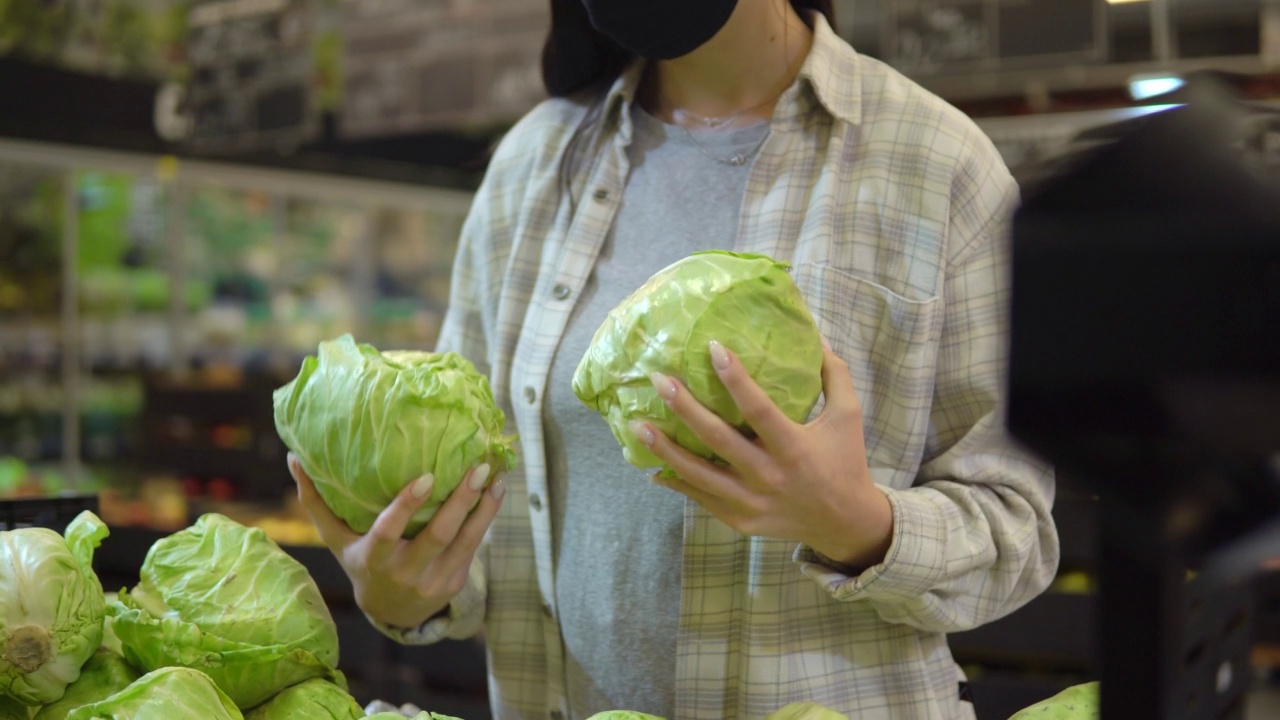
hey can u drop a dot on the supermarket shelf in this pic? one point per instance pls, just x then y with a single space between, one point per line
47 512
284 182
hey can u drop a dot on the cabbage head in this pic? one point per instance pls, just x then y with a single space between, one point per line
805 711
11 709
51 608
748 303
166 694
1078 702
224 599
364 424
314 699
104 675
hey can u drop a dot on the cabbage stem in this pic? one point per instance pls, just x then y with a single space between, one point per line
30 647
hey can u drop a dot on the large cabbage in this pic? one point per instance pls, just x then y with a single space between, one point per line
104 675
747 302
226 600
314 699
1078 702
51 608
365 423
166 694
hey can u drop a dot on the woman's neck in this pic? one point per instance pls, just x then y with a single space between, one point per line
743 69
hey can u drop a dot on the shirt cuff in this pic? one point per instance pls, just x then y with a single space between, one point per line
914 563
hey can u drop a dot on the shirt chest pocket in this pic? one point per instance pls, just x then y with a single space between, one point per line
890 344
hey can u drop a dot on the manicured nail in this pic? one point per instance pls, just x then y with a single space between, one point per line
719 356
479 477
643 432
665 386
498 488
825 342
422 486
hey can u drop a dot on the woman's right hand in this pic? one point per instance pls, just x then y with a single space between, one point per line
404 582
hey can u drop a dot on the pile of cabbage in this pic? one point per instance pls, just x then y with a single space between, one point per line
222 625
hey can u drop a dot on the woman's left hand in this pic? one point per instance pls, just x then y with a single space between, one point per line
807 483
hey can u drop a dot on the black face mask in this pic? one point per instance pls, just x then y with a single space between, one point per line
659 29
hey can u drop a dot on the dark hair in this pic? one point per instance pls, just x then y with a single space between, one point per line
576 57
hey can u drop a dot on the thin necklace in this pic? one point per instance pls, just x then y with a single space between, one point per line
738 159
709 122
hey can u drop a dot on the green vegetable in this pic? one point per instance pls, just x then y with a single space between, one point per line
165 694
104 675
364 424
1079 702
805 711
623 715
11 709
226 600
51 608
749 303
314 699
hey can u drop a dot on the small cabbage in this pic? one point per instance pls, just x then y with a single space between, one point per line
805 711
747 302
314 699
166 694
226 600
106 674
1078 702
365 423
623 715
51 608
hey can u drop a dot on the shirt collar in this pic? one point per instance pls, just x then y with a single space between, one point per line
830 77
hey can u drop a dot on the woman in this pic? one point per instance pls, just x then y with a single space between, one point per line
828 562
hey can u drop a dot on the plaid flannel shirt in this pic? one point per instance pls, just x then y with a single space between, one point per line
893 210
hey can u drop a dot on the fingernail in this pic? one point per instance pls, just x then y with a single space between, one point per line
665 386
498 488
643 432
719 357
292 461
825 343
422 486
479 477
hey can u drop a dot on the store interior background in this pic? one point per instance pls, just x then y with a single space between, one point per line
194 194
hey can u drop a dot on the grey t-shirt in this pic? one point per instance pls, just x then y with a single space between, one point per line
617 536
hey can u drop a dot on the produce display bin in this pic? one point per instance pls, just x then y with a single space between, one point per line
52 512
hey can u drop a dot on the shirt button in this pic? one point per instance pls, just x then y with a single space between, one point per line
535 501
530 395
560 292
601 194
